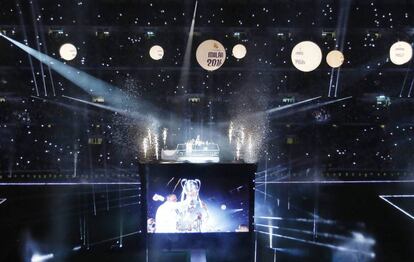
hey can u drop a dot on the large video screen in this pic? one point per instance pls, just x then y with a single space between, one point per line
190 198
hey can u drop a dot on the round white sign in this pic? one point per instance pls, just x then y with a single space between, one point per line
68 52
211 55
306 56
335 58
239 51
156 52
401 53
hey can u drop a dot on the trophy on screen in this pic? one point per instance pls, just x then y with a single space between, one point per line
193 213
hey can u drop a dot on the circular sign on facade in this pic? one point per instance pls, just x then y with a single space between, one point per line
239 51
156 52
306 56
401 52
68 52
211 55
335 58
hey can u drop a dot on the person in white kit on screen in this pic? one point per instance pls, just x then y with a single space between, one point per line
166 216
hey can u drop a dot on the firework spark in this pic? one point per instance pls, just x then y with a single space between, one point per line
145 146
231 129
242 135
250 146
156 146
149 137
238 148
164 137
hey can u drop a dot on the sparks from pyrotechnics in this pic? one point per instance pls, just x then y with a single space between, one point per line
164 137
149 136
156 146
145 146
230 131
250 145
242 135
238 147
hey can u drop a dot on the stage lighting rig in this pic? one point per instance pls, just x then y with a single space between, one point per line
383 101
98 99
283 35
194 100
56 32
292 140
41 258
288 100
193 151
7 31
328 34
239 35
150 34
102 33
374 34
95 141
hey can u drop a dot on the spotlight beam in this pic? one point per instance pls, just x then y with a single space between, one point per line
83 191
41 258
65 183
270 173
187 56
324 104
336 101
115 238
384 197
307 232
266 194
339 248
304 220
338 182
310 107
397 196
36 31
88 83
109 108
342 28
38 23
264 183
84 208
330 81
25 37
406 77
268 169
411 88
276 109
57 103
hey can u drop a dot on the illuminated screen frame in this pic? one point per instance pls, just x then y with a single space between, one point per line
198 240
